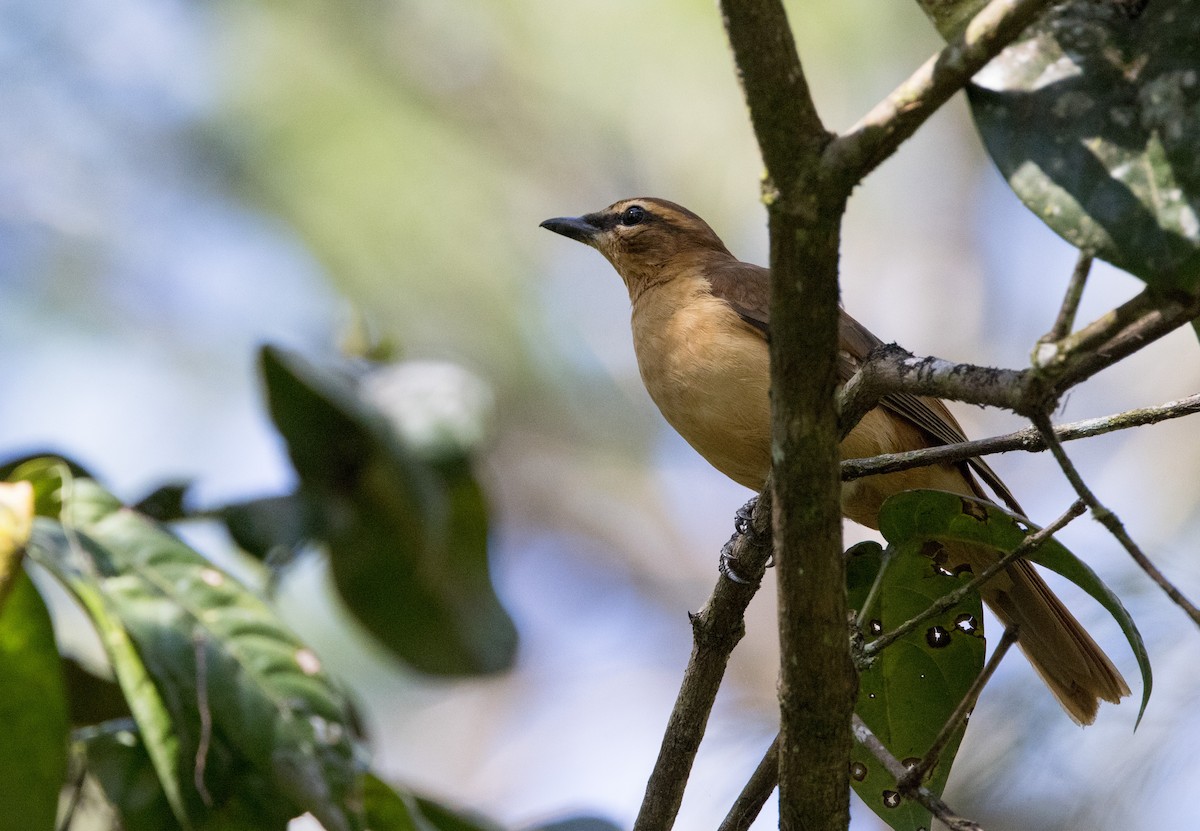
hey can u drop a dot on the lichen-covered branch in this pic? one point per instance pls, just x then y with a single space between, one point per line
1028 439
877 135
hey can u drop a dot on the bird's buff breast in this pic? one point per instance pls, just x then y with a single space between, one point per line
707 371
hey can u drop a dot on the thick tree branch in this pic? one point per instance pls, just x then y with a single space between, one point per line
877 135
790 133
717 628
817 679
1028 439
927 798
1110 520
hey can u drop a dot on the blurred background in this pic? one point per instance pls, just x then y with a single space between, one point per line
181 182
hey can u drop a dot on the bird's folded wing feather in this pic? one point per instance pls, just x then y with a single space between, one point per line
746 288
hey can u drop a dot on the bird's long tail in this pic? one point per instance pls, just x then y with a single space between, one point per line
1074 668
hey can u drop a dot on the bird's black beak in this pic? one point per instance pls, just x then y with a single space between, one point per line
576 227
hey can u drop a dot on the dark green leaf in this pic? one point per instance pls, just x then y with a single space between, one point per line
407 538
1094 119
118 761
266 527
911 689
390 809
165 503
947 516
120 764
33 712
93 699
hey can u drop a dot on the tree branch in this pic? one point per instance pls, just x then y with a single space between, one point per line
1110 520
1065 322
1028 439
927 798
891 370
717 628
754 795
804 208
877 135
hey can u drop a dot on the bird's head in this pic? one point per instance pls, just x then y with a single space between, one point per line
647 240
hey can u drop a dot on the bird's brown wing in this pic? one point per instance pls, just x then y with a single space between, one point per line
929 414
746 288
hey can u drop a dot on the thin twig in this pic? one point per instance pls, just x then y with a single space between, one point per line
756 792
76 790
947 601
926 797
1028 439
717 628
898 116
916 774
876 585
1065 322
1110 520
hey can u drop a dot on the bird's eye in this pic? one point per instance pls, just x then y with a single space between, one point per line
633 215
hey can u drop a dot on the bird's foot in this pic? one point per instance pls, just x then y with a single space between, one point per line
742 527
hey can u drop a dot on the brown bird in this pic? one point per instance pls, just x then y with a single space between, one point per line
700 327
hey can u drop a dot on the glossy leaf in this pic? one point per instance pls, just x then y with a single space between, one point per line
211 646
407 537
118 761
948 516
391 809
33 712
1094 119
66 559
911 689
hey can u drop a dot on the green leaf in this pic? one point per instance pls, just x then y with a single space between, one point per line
93 698
947 516
407 536
951 17
65 558
1094 119
264 528
165 503
912 688
33 712
212 648
118 761
391 809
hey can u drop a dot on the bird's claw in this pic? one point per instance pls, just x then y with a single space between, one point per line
742 527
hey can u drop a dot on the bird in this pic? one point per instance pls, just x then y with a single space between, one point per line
701 321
